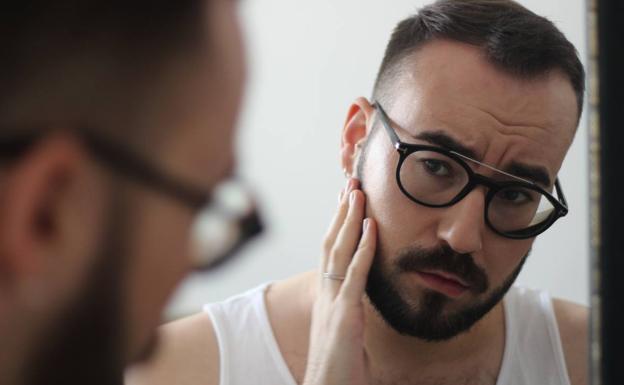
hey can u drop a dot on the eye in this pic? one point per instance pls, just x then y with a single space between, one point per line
515 196
437 167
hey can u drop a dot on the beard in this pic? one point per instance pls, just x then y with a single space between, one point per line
85 344
428 317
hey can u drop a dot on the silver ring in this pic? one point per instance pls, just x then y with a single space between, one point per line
334 277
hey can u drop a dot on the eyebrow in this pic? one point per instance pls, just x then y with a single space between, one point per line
536 174
443 140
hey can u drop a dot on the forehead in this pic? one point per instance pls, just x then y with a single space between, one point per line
450 87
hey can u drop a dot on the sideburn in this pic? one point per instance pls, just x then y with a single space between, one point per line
86 343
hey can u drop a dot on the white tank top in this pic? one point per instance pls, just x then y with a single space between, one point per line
249 353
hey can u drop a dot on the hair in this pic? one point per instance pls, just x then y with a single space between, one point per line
90 63
514 39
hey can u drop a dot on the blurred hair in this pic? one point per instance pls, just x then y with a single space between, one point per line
513 39
89 63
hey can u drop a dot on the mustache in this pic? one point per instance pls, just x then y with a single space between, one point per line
444 258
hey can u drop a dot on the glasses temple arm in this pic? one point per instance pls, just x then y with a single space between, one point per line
560 195
384 121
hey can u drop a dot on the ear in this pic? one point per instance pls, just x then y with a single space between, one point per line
40 209
355 132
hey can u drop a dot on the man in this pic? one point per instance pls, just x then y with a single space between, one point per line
116 126
474 108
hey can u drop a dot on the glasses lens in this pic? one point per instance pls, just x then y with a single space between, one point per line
520 211
224 225
432 178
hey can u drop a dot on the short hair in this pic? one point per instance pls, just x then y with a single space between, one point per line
88 62
513 39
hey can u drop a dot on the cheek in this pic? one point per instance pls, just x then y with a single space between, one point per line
502 256
400 221
228 57
157 264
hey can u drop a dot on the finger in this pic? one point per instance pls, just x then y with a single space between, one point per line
357 274
337 222
334 228
348 236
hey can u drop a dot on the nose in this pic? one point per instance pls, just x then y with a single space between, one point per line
462 225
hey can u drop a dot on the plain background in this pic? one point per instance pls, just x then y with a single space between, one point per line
307 61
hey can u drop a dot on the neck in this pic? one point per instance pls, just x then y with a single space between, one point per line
394 352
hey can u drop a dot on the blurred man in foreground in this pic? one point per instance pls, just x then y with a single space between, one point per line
116 126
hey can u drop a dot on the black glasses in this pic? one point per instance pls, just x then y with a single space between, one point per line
226 217
436 177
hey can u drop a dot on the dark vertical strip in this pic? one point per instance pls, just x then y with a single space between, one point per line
611 245
595 356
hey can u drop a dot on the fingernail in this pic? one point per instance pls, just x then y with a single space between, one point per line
352 197
366 224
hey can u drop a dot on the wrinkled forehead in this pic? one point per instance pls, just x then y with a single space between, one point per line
450 88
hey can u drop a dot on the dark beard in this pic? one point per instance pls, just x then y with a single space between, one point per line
85 344
428 320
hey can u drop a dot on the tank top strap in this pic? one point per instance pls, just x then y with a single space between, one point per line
533 352
248 351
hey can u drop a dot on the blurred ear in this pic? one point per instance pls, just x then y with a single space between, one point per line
44 211
355 132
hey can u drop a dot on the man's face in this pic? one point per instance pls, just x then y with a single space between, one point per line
423 253
89 256
201 116
143 252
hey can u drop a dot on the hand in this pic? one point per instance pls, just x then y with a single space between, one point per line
336 355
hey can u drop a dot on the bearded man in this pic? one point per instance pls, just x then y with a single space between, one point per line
457 154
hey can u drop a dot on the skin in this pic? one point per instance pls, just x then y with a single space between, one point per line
448 86
202 153
54 200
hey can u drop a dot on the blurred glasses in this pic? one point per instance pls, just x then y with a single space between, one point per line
436 177
226 218
224 226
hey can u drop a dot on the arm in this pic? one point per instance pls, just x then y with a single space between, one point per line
188 354
573 322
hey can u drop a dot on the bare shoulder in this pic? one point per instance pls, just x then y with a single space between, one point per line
188 354
289 302
289 308
573 322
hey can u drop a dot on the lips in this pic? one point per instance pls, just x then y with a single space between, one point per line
445 283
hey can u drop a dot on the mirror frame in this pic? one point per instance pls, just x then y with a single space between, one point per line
606 142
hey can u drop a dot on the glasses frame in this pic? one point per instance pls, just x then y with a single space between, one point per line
129 164
474 179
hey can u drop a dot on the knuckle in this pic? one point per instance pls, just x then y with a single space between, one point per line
328 245
340 305
352 214
354 269
365 248
331 265
336 251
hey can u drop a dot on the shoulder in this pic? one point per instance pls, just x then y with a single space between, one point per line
573 323
289 302
289 308
187 354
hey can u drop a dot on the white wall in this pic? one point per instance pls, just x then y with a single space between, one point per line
307 61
